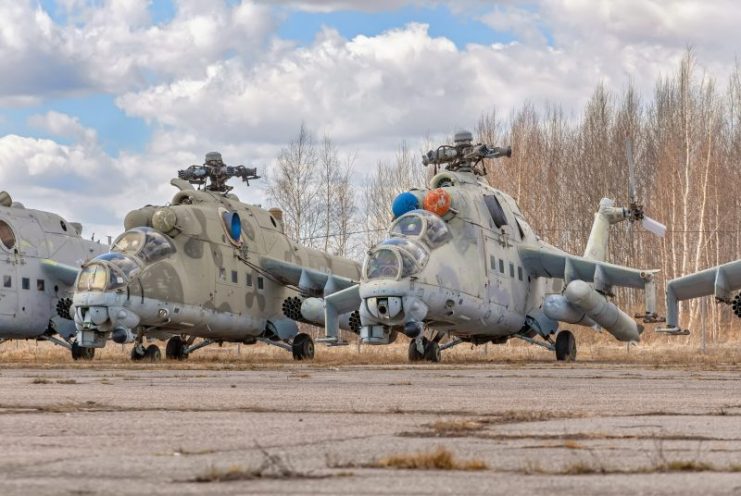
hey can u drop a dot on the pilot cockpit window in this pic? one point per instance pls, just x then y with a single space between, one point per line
146 243
495 210
408 225
93 277
415 251
382 264
7 236
423 225
125 264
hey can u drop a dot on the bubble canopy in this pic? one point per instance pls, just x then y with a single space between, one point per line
407 249
146 243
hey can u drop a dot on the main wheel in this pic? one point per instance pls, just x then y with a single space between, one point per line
302 347
82 352
432 351
175 349
565 347
152 353
414 354
137 352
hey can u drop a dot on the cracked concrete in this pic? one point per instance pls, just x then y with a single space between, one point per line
147 430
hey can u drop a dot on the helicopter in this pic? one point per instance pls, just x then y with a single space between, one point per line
206 266
35 296
461 261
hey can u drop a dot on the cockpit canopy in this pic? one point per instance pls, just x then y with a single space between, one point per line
145 243
412 237
422 225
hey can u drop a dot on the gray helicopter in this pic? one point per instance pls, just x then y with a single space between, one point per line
720 281
461 261
36 290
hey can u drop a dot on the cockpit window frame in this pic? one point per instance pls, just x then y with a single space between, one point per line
428 219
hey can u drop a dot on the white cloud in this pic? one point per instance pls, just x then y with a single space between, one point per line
64 125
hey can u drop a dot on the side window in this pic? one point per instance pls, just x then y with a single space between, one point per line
26 283
40 284
222 273
519 273
501 266
260 283
249 280
512 271
7 282
495 210
493 262
235 277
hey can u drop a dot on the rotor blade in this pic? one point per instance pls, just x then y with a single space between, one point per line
653 226
631 171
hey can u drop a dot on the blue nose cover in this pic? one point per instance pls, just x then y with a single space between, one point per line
403 203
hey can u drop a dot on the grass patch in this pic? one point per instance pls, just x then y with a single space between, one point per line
438 459
273 466
40 380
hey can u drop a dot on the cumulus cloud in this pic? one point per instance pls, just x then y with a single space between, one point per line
114 46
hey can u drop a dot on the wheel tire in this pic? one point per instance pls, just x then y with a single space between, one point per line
152 353
136 354
87 353
76 351
414 354
565 347
432 352
175 349
302 347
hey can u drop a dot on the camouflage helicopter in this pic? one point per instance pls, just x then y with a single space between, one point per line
461 261
36 291
208 266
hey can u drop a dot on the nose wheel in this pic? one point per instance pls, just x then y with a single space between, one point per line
302 347
82 352
175 349
150 354
565 347
430 350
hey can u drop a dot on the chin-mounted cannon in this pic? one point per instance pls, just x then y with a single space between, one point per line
464 155
214 174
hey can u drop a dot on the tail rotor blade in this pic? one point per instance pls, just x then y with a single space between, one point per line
653 226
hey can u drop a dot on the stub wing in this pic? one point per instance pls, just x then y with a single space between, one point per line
313 281
719 281
544 261
59 271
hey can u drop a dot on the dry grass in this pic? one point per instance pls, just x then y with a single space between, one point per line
586 468
439 458
656 351
273 466
456 426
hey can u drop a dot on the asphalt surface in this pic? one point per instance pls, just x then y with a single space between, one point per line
539 429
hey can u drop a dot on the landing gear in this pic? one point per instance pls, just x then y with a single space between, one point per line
175 349
151 353
430 351
302 347
82 352
565 347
